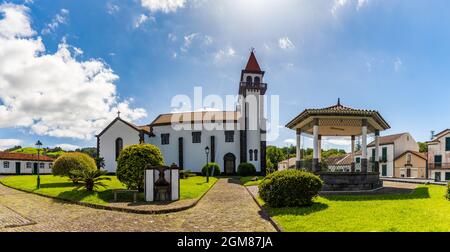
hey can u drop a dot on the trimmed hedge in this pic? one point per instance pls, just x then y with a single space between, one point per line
67 163
211 166
246 169
132 163
290 188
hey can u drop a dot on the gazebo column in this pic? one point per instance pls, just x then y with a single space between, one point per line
320 148
377 151
352 155
364 147
315 161
298 160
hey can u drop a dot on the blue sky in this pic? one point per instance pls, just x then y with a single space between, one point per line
391 56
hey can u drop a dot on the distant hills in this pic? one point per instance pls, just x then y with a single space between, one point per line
51 152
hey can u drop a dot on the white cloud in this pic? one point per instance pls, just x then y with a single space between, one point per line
172 37
285 43
8 143
112 8
53 94
290 141
338 4
203 40
67 147
398 64
60 18
224 54
165 6
142 19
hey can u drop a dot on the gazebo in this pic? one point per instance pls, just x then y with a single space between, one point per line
341 121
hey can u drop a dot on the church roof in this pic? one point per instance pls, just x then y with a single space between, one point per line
252 64
144 128
196 117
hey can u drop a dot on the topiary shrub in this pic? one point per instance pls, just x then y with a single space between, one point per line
211 167
67 163
246 169
290 188
132 163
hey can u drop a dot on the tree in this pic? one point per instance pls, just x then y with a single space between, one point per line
275 155
17 147
423 147
133 161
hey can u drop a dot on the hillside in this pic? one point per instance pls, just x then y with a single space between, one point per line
32 150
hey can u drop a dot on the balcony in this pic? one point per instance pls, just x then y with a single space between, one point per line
253 85
434 166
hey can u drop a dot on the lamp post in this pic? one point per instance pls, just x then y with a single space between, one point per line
38 184
207 168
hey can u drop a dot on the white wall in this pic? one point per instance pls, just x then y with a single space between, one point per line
390 158
194 157
23 167
405 143
129 136
439 149
442 172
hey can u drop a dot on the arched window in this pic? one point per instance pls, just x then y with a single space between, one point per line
251 155
257 80
256 155
119 147
249 79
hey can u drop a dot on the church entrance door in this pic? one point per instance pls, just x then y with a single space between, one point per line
229 161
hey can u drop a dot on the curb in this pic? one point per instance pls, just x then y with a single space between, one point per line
116 209
264 213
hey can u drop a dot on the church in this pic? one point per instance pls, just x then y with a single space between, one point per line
188 139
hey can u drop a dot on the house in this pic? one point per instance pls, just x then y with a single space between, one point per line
286 164
392 148
232 137
439 156
411 164
20 163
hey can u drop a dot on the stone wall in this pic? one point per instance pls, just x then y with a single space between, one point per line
350 181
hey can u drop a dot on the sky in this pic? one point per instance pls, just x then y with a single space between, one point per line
67 67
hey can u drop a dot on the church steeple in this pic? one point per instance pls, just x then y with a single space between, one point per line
252 64
252 76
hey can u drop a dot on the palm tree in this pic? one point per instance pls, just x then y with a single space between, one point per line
90 179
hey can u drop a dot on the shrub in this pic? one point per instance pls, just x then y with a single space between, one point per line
90 179
246 169
212 167
67 163
186 174
132 163
290 188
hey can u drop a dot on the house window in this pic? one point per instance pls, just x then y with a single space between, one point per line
438 159
251 155
119 147
165 139
447 176
6 164
447 144
29 165
41 165
384 154
373 155
229 136
384 170
358 160
256 155
196 137
408 158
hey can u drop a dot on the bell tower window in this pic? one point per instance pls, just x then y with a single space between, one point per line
249 79
257 80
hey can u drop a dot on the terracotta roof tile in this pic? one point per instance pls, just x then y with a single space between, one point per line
25 157
252 64
387 139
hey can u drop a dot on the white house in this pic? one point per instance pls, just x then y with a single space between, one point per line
439 156
233 137
20 163
391 147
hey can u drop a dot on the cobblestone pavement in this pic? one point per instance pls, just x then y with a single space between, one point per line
226 207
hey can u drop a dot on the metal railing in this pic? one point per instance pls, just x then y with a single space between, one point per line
434 166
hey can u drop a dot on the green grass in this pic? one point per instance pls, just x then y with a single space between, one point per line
425 209
246 181
32 150
191 188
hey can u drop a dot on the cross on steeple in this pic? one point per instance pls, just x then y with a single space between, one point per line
252 49
339 102
118 113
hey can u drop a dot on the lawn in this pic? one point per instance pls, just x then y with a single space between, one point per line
247 181
191 188
425 209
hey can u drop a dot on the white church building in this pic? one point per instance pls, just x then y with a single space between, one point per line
233 137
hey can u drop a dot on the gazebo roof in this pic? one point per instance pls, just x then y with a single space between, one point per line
339 113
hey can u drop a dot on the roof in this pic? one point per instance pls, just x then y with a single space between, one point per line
22 156
347 159
252 64
145 128
338 110
419 154
387 139
196 117
438 135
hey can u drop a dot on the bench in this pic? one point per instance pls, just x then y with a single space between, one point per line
117 191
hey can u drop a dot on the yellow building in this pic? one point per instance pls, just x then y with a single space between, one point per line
410 164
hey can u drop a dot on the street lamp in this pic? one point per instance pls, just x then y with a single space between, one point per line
207 168
38 144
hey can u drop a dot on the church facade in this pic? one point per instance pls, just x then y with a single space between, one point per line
231 137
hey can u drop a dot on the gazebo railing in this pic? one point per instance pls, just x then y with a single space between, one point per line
326 167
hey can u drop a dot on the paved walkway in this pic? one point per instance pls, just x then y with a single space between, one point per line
226 207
